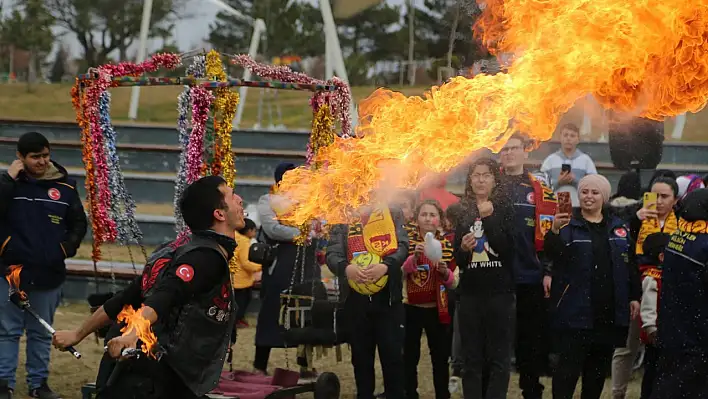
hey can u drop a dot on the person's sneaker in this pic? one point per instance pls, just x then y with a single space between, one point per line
43 392
454 385
242 324
5 391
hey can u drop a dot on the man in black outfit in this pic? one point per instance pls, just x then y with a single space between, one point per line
187 298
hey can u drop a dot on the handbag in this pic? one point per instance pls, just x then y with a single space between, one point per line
262 252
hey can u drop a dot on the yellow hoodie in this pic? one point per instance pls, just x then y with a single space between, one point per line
242 270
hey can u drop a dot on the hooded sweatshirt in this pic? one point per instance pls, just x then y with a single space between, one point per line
43 223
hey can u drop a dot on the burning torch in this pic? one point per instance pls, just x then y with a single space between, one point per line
19 298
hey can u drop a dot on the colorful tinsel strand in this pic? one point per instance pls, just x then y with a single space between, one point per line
201 101
89 116
214 67
322 134
339 100
78 101
223 136
122 209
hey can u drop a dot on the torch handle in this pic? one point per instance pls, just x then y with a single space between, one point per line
74 352
49 328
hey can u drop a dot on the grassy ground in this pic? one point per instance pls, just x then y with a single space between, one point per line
157 104
52 102
69 374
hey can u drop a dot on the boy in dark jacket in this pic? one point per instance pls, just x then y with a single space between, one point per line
43 223
683 331
366 256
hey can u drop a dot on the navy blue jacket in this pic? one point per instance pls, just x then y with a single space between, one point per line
528 264
572 254
683 304
43 223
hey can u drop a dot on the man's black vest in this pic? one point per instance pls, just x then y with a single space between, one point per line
194 337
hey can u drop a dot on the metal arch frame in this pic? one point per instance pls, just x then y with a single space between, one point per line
333 53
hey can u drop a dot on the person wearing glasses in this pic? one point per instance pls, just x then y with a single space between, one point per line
534 209
483 250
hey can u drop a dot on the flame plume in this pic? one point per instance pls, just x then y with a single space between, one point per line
135 321
643 57
13 279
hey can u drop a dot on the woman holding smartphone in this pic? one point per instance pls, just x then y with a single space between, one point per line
595 291
656 215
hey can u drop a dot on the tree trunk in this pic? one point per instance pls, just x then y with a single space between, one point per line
453 34
32 70
411 43
123 53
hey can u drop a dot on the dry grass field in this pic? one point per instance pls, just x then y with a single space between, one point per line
69 374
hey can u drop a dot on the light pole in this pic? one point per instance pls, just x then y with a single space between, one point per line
142 53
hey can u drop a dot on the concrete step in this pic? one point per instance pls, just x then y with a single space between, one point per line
152 158
159 188
158 134
674 152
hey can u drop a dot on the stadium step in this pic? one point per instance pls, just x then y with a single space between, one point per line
158 134
153 158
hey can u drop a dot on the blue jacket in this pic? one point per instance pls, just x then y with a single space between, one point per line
683 304
528 264
43 223
572 254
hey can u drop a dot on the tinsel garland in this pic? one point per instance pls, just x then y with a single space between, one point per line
94 155
183 118
226 109
322 134
225 103
196 69
78 101
122 209
339 100
209 156
201 101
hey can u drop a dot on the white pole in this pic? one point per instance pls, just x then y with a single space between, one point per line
328 58
142 53
331 34
679 124
337 57
259 28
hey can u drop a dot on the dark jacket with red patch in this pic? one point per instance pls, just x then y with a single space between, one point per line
193 330
195 336
42 224
573 268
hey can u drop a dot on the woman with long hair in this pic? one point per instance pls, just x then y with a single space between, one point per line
425 295
484 252
595 290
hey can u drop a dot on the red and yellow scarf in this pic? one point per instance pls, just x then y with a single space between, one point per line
546 206
651 226
374 233
424 286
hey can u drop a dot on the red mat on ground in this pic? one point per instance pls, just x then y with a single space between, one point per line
245 385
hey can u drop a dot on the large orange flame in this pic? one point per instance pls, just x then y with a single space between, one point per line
13 279
136 322
643 57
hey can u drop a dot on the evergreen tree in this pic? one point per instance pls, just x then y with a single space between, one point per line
59 66
290 28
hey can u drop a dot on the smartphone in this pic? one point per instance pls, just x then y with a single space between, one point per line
650 201
564 203
565 168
